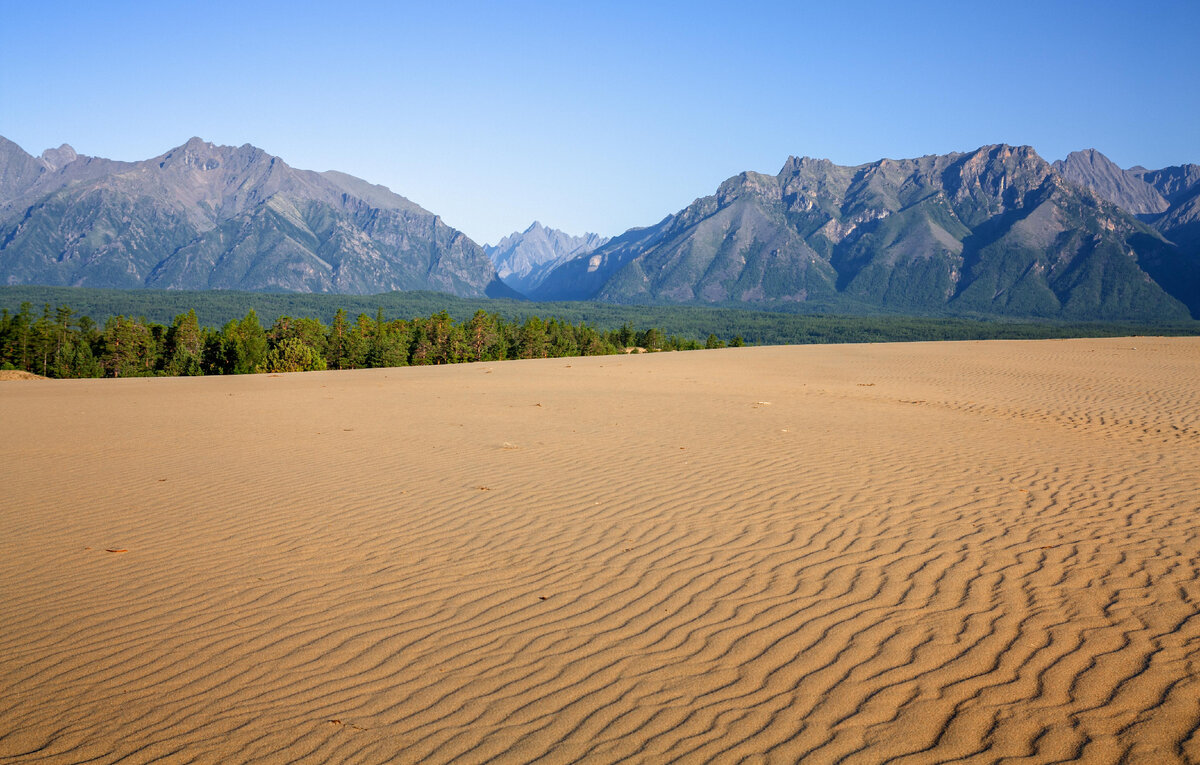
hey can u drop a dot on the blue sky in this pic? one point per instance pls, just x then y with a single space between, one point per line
601 116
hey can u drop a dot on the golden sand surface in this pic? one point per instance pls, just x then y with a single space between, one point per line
904 553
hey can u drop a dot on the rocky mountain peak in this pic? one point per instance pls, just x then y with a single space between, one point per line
200 155
810 182
1003 158
749 182
1124 188
795 165
196 153
999 172
56 159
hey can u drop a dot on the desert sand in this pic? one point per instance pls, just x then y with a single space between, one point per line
908 553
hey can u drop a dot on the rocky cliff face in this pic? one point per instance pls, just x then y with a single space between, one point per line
219 217
994 231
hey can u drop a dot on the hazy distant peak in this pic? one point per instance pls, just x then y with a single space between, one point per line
524 259
55 159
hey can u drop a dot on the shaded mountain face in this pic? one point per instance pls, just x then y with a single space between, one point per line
523 259
219 217
1180 225
1180 186
994 231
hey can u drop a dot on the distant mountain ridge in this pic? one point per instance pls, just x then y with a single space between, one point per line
220 217
996 231
523 259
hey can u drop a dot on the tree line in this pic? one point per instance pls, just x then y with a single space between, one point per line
60 343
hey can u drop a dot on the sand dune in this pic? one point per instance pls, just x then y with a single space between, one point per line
911 553
7 375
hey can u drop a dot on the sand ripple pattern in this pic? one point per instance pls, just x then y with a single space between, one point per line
925 553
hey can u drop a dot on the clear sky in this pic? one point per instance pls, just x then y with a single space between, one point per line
598 116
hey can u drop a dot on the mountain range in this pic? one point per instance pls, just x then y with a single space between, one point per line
995 231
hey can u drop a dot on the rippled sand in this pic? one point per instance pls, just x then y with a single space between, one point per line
908 553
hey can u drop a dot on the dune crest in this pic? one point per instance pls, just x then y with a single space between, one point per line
908 553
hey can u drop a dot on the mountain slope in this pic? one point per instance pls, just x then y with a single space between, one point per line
218 217
994 231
